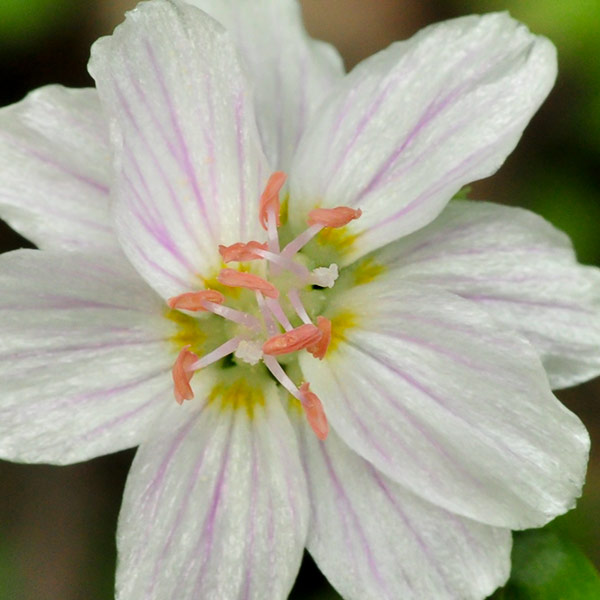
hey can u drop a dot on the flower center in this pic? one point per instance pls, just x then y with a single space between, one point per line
268 333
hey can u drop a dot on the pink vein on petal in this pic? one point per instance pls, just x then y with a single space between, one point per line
414 532
120 419
342 496
157 164
239 132
253 502
414 383
187 161
182 509
51 161
206 538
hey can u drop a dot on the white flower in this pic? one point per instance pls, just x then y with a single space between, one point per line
444 433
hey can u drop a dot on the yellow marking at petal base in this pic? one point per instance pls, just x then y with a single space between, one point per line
340 324
189 331
367 270
213 282
237 395
294 405
339 239
283 210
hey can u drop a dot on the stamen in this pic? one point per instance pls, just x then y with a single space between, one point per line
223 350
272 235
277 311
319 349
281 376
241 252
231 314
313 408
195 301
296 303
269 322
293 340
249 352
233 278
269 201
314 338
301 241
280 260
315 415
182 375
317 220
325 276
333 217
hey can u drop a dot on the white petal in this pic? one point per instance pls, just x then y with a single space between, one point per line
409 126
55 165
522 270
215 506
291 72
374 540
84 365
189 166
426 386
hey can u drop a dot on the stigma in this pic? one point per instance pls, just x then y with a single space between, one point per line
267 333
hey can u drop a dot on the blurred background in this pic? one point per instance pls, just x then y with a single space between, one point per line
57 524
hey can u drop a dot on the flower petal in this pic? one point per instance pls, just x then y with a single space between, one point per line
189 166
215 505
522 270
428 388
374 540
55 165
84 363
292 73
411 125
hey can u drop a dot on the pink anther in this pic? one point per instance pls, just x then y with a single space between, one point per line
319 349
333 217
233 278
293 340
269 201
182 375
315 415
241 252
194 301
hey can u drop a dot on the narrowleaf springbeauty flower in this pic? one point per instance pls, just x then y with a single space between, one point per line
249 267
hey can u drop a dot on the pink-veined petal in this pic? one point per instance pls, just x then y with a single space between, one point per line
374 540
189 168
438 396
412 124
84 361
291 72
522 270
215 505
55 166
